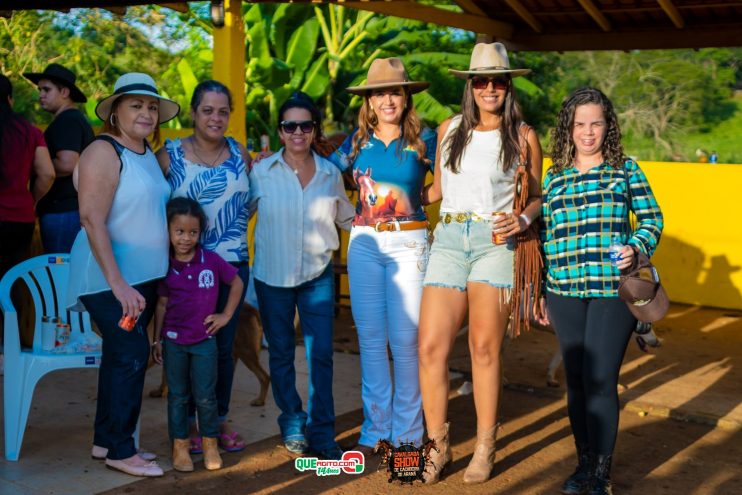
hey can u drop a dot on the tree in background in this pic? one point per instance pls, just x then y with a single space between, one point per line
668 100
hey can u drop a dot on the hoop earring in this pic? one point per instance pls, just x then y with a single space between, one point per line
112 120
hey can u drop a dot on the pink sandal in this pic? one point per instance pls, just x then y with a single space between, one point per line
229 442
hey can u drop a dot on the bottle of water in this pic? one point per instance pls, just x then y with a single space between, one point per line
615 248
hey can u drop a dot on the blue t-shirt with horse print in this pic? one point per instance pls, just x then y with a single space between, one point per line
390 179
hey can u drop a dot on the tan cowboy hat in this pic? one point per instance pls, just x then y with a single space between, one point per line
60 75
387 73
136 83
489 59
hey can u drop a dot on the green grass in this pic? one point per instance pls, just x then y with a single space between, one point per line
725 138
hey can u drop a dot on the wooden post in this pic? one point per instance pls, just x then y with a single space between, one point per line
229 64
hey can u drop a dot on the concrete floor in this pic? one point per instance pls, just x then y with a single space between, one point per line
55 456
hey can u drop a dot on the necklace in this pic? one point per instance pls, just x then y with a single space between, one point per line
295 169
205 162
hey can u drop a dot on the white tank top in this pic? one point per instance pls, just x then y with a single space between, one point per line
481 186
137 226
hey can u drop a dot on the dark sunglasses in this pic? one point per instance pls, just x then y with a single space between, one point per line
481 82
290 126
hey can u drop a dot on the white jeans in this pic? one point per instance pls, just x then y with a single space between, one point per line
386 271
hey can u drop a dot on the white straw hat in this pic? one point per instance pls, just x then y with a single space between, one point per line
136 83
488 59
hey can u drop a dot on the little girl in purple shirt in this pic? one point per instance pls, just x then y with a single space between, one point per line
186 320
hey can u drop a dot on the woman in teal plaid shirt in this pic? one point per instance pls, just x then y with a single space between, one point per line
586 204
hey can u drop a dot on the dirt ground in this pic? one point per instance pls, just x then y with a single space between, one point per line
655 453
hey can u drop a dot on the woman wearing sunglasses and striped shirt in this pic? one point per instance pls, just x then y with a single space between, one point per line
300 199
479 151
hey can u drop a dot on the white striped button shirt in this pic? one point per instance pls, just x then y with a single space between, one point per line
295 233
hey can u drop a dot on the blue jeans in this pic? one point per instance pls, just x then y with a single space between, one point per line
191 369
386 271
315 301
224 342
58 231
122 369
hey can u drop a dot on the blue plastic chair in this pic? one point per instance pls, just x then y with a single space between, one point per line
46 278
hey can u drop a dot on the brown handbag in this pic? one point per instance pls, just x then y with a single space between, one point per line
529 261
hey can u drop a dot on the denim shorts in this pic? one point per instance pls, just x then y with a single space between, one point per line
464 252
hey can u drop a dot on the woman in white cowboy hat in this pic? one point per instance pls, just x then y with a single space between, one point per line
389 155
119 254
479 151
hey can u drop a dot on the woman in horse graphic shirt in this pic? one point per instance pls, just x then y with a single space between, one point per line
389 155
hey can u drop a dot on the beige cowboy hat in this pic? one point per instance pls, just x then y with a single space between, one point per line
488 59
136 83
387 73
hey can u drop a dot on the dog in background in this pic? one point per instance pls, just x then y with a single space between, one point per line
247 342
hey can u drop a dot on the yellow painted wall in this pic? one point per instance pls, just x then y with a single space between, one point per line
700 254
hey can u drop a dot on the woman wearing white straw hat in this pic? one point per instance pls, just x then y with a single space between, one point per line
119 254
479 152
389 155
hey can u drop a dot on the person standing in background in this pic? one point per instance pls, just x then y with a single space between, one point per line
67 135
23 154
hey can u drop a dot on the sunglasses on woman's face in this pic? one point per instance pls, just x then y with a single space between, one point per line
481 82
290 126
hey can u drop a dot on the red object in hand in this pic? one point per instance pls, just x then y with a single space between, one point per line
127 323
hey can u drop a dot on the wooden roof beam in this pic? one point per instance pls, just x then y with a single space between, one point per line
525 14
469 7
116 9
672 13
596 14
414 10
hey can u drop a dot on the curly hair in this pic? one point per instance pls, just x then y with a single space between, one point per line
511 118
411 127
563 147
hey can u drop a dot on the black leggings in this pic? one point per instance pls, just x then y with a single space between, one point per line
593 334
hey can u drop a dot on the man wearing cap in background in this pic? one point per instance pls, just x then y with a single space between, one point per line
67 135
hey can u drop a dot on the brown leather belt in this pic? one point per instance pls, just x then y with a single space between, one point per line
394 226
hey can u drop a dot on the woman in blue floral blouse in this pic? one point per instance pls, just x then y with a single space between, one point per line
212 169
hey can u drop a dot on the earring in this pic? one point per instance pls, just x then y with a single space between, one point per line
112 120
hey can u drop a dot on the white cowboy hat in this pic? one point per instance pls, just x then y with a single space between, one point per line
488 59
136 83
387 73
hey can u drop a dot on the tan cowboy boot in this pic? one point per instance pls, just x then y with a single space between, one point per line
439 459
483 460
212 459
181 457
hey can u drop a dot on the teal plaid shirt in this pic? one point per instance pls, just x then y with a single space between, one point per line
581 212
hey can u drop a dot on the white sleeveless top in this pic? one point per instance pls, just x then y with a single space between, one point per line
137 226
481 186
